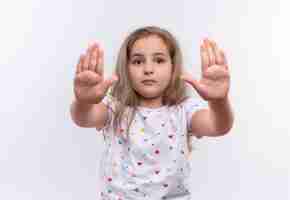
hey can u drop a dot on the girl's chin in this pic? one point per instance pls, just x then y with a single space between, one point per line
150 92
150 95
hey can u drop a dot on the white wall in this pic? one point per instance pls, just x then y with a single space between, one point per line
43 155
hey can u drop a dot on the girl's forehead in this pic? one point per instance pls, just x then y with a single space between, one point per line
149 45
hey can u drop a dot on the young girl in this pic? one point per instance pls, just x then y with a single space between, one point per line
146 118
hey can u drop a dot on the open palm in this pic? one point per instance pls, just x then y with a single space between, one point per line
215 81
89 83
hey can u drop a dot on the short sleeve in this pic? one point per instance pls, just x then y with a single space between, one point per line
109 102
191 105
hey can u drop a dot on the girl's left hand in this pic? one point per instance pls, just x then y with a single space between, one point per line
215 82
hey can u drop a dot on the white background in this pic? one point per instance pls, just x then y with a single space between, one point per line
44 155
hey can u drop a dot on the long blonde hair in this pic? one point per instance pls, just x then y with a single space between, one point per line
123 91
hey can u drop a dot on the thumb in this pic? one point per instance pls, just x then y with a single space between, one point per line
109 82
193 82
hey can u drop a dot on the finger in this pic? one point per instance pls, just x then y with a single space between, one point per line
109 82
87 59
80 63
93 58
100 66
217 55
204 58
187 78
209 51
224 59
88 79
193 82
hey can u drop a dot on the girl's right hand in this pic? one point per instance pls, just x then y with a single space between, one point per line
89 84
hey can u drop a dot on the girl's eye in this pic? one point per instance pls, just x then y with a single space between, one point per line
160 61
137 62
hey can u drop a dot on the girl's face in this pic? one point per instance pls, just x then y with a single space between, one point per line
150 69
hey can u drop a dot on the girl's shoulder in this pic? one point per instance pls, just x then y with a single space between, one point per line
110 101
192 103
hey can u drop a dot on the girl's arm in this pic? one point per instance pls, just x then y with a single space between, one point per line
90 87
217 120
213 87
89 115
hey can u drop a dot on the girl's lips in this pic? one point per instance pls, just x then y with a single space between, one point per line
148 82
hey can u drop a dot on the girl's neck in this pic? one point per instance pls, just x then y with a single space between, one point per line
151 102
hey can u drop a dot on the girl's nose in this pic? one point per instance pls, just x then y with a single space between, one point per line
148 68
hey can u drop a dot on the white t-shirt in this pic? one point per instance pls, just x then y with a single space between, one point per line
152 163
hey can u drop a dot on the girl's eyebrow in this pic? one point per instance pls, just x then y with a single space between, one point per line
159 53
136 54
155 54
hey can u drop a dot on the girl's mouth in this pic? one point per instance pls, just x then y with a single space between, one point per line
148 82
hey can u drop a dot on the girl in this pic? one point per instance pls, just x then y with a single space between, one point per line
146 118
